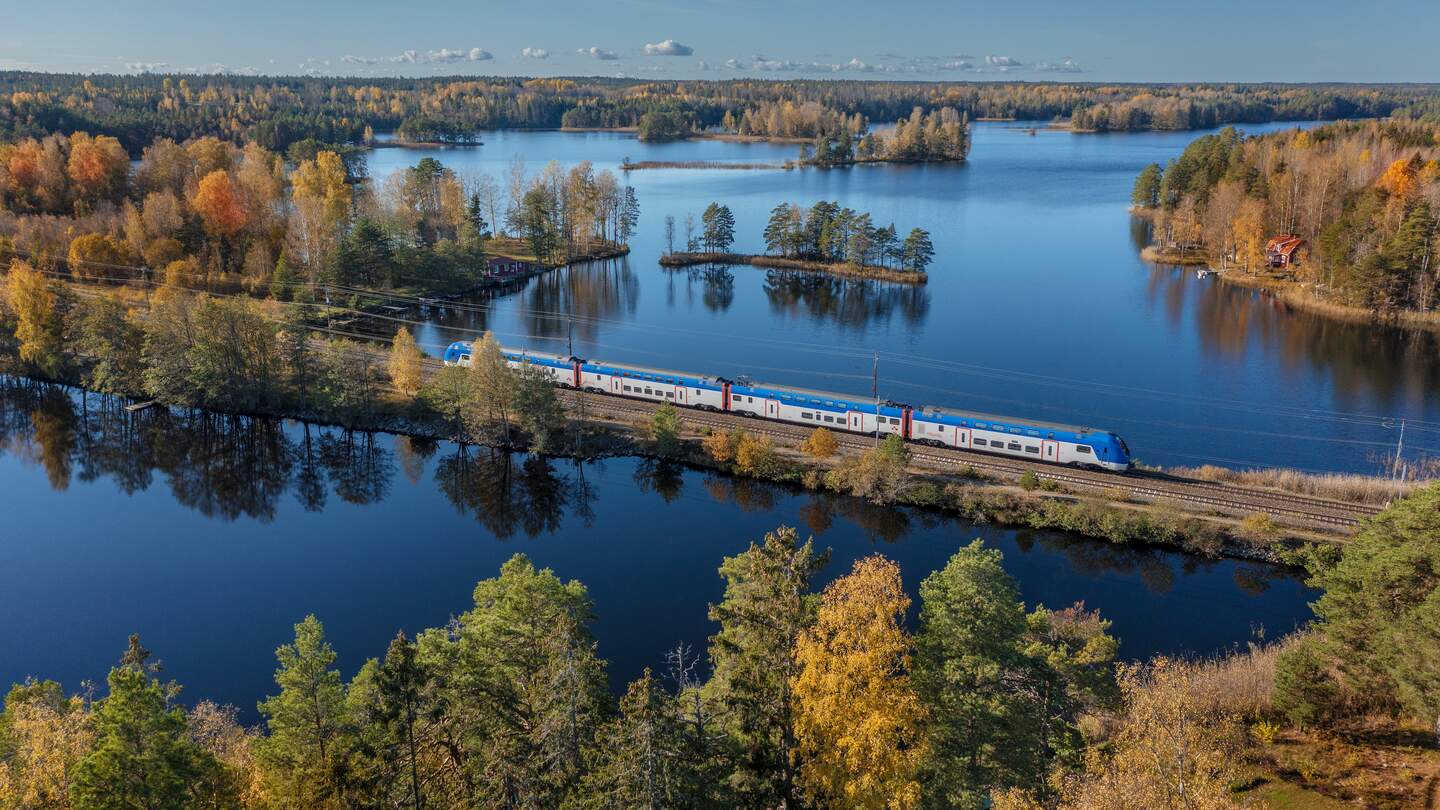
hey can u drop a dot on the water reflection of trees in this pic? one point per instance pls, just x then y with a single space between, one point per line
590 292
714 284
850 303
503 495
1365 362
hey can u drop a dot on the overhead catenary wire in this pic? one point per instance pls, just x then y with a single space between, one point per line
857 353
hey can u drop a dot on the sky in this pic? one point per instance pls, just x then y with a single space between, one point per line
1036 40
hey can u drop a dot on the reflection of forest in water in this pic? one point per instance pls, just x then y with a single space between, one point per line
1365 361
849 303
229 467
590 294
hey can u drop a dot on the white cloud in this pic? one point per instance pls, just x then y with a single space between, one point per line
959 64
480 55
856 64
407 57
1003 62
669 48
147 67
351 59
1063 66
761 63
599 53
534 53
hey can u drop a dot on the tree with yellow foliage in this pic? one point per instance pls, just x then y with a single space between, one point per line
820 444
857 716
1174 748
95 255
46 734
404 365
39 307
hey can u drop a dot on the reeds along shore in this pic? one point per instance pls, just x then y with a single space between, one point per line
843 269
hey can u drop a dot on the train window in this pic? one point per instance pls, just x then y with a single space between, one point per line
979 424
1014 430
1080 448
829 419
1014 446
804 415
1029 449
670 394
627 388
1033 432
980 443
940 428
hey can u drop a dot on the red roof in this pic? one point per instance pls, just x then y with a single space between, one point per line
1284 244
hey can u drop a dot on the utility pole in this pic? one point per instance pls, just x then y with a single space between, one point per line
570 333
875 392
1399 448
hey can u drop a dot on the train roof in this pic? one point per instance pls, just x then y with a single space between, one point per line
1010 420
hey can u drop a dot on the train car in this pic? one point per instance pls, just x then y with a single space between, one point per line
654 384
559 369
1038 441
802 406
1018 438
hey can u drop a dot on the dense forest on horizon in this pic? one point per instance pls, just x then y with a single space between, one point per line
276 112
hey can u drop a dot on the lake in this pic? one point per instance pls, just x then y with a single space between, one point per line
1038 304
212 535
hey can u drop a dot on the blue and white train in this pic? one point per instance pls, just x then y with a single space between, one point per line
1007 436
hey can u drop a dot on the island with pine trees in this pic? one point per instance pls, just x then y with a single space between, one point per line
824 238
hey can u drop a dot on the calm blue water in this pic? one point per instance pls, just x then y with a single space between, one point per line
211 536
1038 304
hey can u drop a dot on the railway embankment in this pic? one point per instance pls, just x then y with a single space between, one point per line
1274 516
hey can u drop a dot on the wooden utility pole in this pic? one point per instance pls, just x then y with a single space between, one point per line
875 392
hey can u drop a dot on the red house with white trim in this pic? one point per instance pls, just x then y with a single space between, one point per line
1283 250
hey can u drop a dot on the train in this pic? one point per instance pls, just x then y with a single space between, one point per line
1028 439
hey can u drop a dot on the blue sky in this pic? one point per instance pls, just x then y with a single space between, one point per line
1099 40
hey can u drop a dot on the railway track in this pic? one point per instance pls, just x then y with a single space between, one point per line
1146 485
1231 499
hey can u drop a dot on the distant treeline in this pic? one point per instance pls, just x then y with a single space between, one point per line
275 112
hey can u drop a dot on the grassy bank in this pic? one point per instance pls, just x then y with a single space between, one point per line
842 269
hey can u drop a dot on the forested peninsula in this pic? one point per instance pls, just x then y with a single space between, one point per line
1344 217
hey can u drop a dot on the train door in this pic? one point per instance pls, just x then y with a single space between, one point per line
962 437
857 422
615 384
679 395
772 409
1050 451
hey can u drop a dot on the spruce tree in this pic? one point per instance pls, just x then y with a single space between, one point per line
767 604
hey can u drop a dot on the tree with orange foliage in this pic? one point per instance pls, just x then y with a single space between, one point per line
219 205
1399 177
98 166
857 716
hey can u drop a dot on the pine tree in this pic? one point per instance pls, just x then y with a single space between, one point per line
304 753
142 755
402 708
718 228
968 664
917 251
777 229
857 717
767 604
640 755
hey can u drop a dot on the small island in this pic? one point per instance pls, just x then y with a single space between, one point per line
824 238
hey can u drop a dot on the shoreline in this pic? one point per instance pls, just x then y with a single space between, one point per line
1108 517
841 270
1295 294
